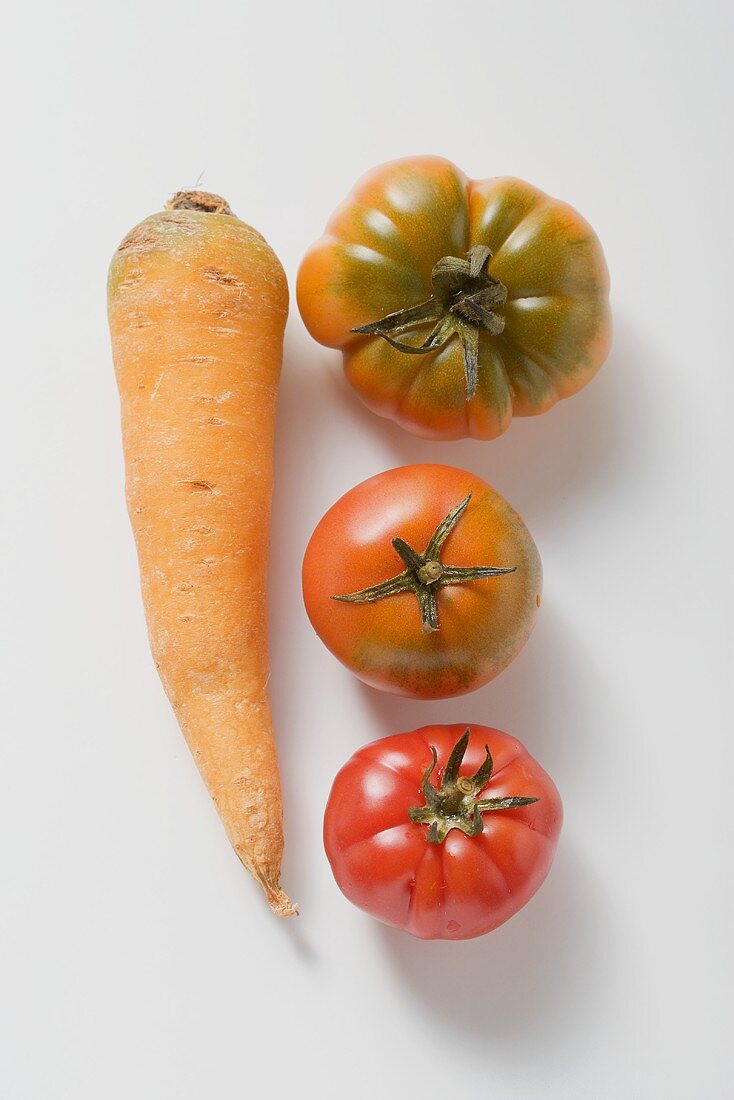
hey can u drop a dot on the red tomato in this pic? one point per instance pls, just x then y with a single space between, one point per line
449 852
423 581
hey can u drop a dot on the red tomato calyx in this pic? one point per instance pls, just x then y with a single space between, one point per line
425 573
454 804
464 300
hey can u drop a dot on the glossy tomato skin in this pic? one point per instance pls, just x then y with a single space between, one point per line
464 887
483 624
376 257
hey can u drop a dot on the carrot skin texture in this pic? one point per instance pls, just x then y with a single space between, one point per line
197 309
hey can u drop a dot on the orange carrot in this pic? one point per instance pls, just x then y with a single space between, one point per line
197 308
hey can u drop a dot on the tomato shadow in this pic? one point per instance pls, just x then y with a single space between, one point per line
537 979
550 697
544 465
536 983
592 445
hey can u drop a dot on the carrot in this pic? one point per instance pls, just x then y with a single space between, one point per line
197 308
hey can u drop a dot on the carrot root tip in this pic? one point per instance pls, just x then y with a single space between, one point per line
280 903
278 900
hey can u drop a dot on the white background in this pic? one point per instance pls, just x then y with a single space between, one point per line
136 957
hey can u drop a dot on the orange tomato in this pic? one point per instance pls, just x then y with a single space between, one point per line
457 303
423 581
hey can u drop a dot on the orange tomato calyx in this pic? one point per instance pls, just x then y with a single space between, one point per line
464 300
454 803
425 573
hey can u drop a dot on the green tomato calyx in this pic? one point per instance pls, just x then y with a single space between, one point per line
425 573
455 803
464 301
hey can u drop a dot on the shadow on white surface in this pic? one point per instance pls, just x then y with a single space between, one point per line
295 933
535 699
554 468
543 972
544 465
